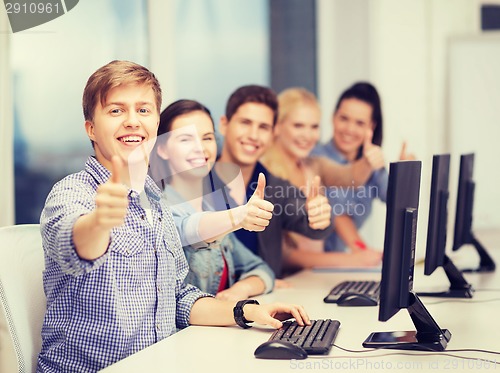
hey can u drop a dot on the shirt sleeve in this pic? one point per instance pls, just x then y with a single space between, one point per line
381 181
185 294
66 202
187 224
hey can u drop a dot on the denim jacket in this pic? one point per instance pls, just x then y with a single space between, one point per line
206 260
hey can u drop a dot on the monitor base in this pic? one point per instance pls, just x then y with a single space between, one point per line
486 262
480 269
409 340
450 293
459 287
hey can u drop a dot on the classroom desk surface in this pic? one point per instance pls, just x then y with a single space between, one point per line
474 324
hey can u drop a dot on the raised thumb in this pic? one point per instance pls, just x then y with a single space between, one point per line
314 188
261 185
116 169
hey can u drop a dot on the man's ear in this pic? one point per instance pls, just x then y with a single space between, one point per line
89 128
160 150
223 123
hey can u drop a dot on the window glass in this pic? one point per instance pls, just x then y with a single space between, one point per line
50 65
219 46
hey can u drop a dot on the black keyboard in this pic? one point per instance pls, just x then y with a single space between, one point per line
315 339
349 289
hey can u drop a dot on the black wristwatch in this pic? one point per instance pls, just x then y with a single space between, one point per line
238 313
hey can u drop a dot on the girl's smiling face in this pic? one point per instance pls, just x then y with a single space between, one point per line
351 123
190 146
298 131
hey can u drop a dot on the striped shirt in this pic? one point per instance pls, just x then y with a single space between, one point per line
101 311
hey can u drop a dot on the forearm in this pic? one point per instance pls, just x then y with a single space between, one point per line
361 171
346 229
353 174
216 224
90 241
333 173
306 259
251 286
216 312
211 311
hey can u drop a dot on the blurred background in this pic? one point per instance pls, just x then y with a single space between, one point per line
436 64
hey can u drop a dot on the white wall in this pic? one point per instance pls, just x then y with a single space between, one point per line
161 43
6 128
474 115
343 51
7 354
403 49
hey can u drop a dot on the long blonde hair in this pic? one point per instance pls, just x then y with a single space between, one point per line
290 98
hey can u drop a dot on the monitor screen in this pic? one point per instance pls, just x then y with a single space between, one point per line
396 285
463 213
463 233
435 254
399 242
438 214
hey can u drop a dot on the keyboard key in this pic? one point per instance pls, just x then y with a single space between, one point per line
316 338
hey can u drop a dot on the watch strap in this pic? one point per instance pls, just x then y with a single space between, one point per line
238 313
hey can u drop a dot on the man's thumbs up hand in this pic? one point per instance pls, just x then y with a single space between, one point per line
111 199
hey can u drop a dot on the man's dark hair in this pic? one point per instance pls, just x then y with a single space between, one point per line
252 93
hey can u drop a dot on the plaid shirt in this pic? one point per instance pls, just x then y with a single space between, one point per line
101 311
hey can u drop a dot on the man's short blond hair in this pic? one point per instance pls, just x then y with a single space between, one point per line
112 75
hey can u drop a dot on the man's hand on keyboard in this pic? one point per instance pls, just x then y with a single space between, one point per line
274 313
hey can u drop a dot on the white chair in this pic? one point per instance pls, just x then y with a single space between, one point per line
22 298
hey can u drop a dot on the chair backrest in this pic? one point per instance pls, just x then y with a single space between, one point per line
22 298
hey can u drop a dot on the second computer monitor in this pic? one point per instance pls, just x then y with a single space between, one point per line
396 285
438 213
463 233
435 254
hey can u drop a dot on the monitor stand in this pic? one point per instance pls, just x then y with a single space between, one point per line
486 263
427 337
459 287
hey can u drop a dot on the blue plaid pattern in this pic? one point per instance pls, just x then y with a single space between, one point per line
101 311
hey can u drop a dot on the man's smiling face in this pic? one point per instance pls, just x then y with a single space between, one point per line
127 121
248 133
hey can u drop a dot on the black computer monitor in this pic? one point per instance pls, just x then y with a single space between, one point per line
463 233
396 285
435 254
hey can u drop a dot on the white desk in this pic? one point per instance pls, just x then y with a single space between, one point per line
230 349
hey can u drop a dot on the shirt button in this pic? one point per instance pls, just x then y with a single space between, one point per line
158 326
159 218
142 217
